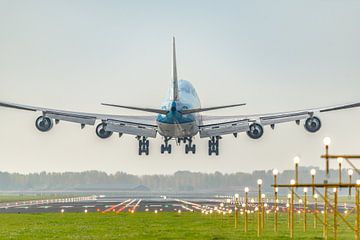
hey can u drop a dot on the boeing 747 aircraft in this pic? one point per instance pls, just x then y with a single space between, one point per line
178 119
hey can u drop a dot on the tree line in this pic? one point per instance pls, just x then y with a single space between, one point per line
179 181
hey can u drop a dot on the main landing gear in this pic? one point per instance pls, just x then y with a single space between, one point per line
214 145
166 147
189 147
143 145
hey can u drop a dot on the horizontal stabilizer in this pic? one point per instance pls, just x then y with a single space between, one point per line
198 110
151 110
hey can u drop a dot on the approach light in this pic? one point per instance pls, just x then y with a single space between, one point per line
296 159
327 141
340 160
292 182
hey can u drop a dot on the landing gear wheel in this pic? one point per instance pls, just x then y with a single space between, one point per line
144 146
166 147
189 147
214 145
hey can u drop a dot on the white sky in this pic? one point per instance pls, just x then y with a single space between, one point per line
276 56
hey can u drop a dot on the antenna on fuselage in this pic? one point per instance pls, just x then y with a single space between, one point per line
175 78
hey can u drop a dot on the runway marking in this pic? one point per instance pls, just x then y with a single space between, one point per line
127 205
136 206
115 206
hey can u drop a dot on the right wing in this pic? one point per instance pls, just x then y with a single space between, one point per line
133 125
222 125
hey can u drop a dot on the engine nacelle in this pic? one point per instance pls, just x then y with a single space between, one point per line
256 131
101 132
44 124
312 124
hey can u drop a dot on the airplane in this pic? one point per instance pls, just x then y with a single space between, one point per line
179 118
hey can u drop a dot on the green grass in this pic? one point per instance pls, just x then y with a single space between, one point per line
150 226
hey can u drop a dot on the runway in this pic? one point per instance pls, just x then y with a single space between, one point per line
121 204
105 204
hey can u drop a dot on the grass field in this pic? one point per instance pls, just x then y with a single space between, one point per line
150 226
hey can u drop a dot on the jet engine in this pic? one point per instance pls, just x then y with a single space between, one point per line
312 124
101 132
44 124
256 131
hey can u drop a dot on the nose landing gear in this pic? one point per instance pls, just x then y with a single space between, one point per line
143 145
166 147
214 145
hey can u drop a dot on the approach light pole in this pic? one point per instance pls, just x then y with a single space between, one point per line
340 161
292 183
315 209
259 182
275 173
246 208
335 211
313 173
263 211
327 142
236 209
305 205
296 162
350 173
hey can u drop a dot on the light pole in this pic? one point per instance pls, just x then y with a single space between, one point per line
357 209
296 162
246 208
276 209
275 173
315 209
289 212
350 173
340 161
313 173
236 209
327 142
335 211
263 211
305 205
292 183
228 201
259 182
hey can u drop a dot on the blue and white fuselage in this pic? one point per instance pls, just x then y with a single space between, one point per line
175 124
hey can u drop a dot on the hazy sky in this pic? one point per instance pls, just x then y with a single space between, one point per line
274 55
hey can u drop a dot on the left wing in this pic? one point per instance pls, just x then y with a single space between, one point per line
253 124
133 125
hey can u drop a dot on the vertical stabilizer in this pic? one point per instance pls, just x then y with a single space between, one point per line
175 78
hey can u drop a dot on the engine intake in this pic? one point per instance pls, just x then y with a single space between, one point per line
44 124
256 131
101 132
312 124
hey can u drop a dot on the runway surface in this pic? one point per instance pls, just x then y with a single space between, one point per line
120 204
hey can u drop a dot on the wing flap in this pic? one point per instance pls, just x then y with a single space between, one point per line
131 128
88 120
283 118
223 128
